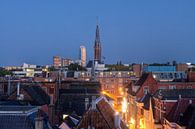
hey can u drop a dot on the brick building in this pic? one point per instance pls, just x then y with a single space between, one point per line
148 84
137 69
170 106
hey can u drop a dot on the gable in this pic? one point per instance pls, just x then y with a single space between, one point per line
27 97
93 118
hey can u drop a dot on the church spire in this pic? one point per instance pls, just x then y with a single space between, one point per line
97 46
97 36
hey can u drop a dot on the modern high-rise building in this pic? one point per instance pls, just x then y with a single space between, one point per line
83 55
97 46
56 61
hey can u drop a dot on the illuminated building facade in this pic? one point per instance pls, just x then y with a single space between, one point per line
56 61
28 70
83 55
66 62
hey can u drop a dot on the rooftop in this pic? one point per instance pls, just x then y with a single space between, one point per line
142 79
100 116
17 109
174 94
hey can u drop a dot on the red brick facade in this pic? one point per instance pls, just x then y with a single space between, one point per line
152 85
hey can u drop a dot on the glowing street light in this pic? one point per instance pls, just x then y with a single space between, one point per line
124 105
132 123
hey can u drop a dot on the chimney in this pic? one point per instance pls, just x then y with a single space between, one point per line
117 120
39 123
9 86
179 96
86 103
18 90
93 103
190 101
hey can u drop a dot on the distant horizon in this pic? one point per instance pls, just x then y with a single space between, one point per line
130 31
105 63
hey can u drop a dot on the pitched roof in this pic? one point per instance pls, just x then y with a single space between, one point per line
79 91
16 109
71 121
20 117
173 94
64 126
177 110
130 90
100 117
38 95
15 122
188 118
3 97
10 102
142 79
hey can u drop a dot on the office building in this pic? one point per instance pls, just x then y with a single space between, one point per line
56 61
83 55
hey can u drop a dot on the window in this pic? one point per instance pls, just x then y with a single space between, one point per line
189 87
172 87
45 89
86 103
51 90
120 80
51 99
142 112
162 87
146 90
93 97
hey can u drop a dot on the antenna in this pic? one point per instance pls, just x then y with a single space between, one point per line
97 20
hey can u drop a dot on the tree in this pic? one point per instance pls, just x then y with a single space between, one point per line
76 67
4 72
52 68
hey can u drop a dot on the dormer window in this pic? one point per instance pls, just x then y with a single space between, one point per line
146 89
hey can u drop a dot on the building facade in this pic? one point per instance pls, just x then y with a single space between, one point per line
56 61
83 55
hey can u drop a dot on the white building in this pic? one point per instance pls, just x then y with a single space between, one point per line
27 70
83 55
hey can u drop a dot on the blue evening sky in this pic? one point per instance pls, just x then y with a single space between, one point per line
33 31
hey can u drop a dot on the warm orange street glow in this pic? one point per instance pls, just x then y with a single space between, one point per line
142 123
124 105
109 95
131 123
122 93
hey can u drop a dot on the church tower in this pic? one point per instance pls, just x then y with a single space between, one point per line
97 46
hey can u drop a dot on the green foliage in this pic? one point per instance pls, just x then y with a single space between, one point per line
4 72
158 64
52 68
118 67
76 67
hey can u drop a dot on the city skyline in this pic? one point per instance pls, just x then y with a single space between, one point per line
34 32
